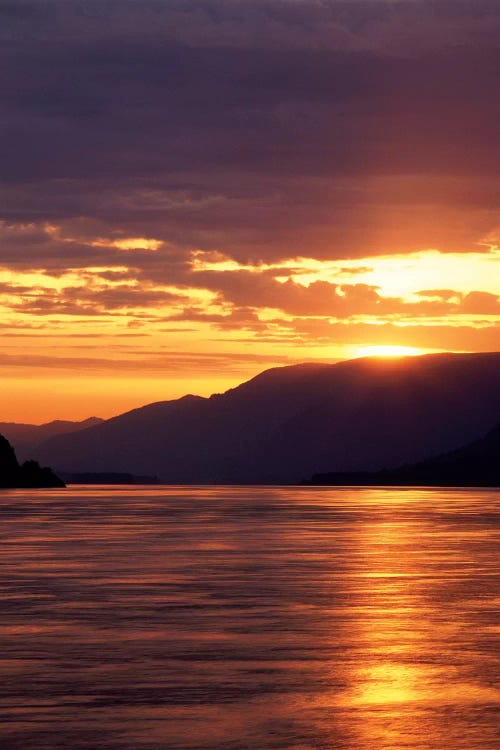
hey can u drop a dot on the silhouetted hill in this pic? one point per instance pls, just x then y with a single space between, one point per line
25 437
474 465
28 474
292 422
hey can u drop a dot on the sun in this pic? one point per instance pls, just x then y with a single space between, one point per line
388 351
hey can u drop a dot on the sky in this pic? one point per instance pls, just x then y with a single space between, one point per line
193 192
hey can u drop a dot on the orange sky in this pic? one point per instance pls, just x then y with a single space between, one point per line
100 340
190 194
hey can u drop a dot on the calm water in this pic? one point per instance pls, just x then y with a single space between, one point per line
249 618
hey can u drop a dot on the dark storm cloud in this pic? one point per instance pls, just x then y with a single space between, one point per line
264 129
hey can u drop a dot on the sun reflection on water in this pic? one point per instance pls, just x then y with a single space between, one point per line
238 618
392 673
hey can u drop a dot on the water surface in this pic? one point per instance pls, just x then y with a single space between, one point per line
249 618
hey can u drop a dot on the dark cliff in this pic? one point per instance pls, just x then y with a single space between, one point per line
29 474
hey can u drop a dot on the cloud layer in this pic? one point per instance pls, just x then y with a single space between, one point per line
180 167
256 128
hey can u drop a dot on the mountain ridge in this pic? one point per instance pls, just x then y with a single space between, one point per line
474 465
25 436
289 423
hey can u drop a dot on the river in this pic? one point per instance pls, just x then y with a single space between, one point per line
249 618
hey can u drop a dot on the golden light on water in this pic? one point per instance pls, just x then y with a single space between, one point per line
387 683
350 619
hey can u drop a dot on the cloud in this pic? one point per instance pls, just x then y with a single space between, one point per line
460 336
482 303
226 295
257 128
171 361
260 175
443 294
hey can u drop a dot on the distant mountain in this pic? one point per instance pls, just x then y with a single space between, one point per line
25 437
475 465
28 474
292 422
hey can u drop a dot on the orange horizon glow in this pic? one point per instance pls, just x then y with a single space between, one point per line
106 337
389 350
154 245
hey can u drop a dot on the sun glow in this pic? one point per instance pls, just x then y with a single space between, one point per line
129 243
389 351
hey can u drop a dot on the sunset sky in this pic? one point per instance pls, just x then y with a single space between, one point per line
192 192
